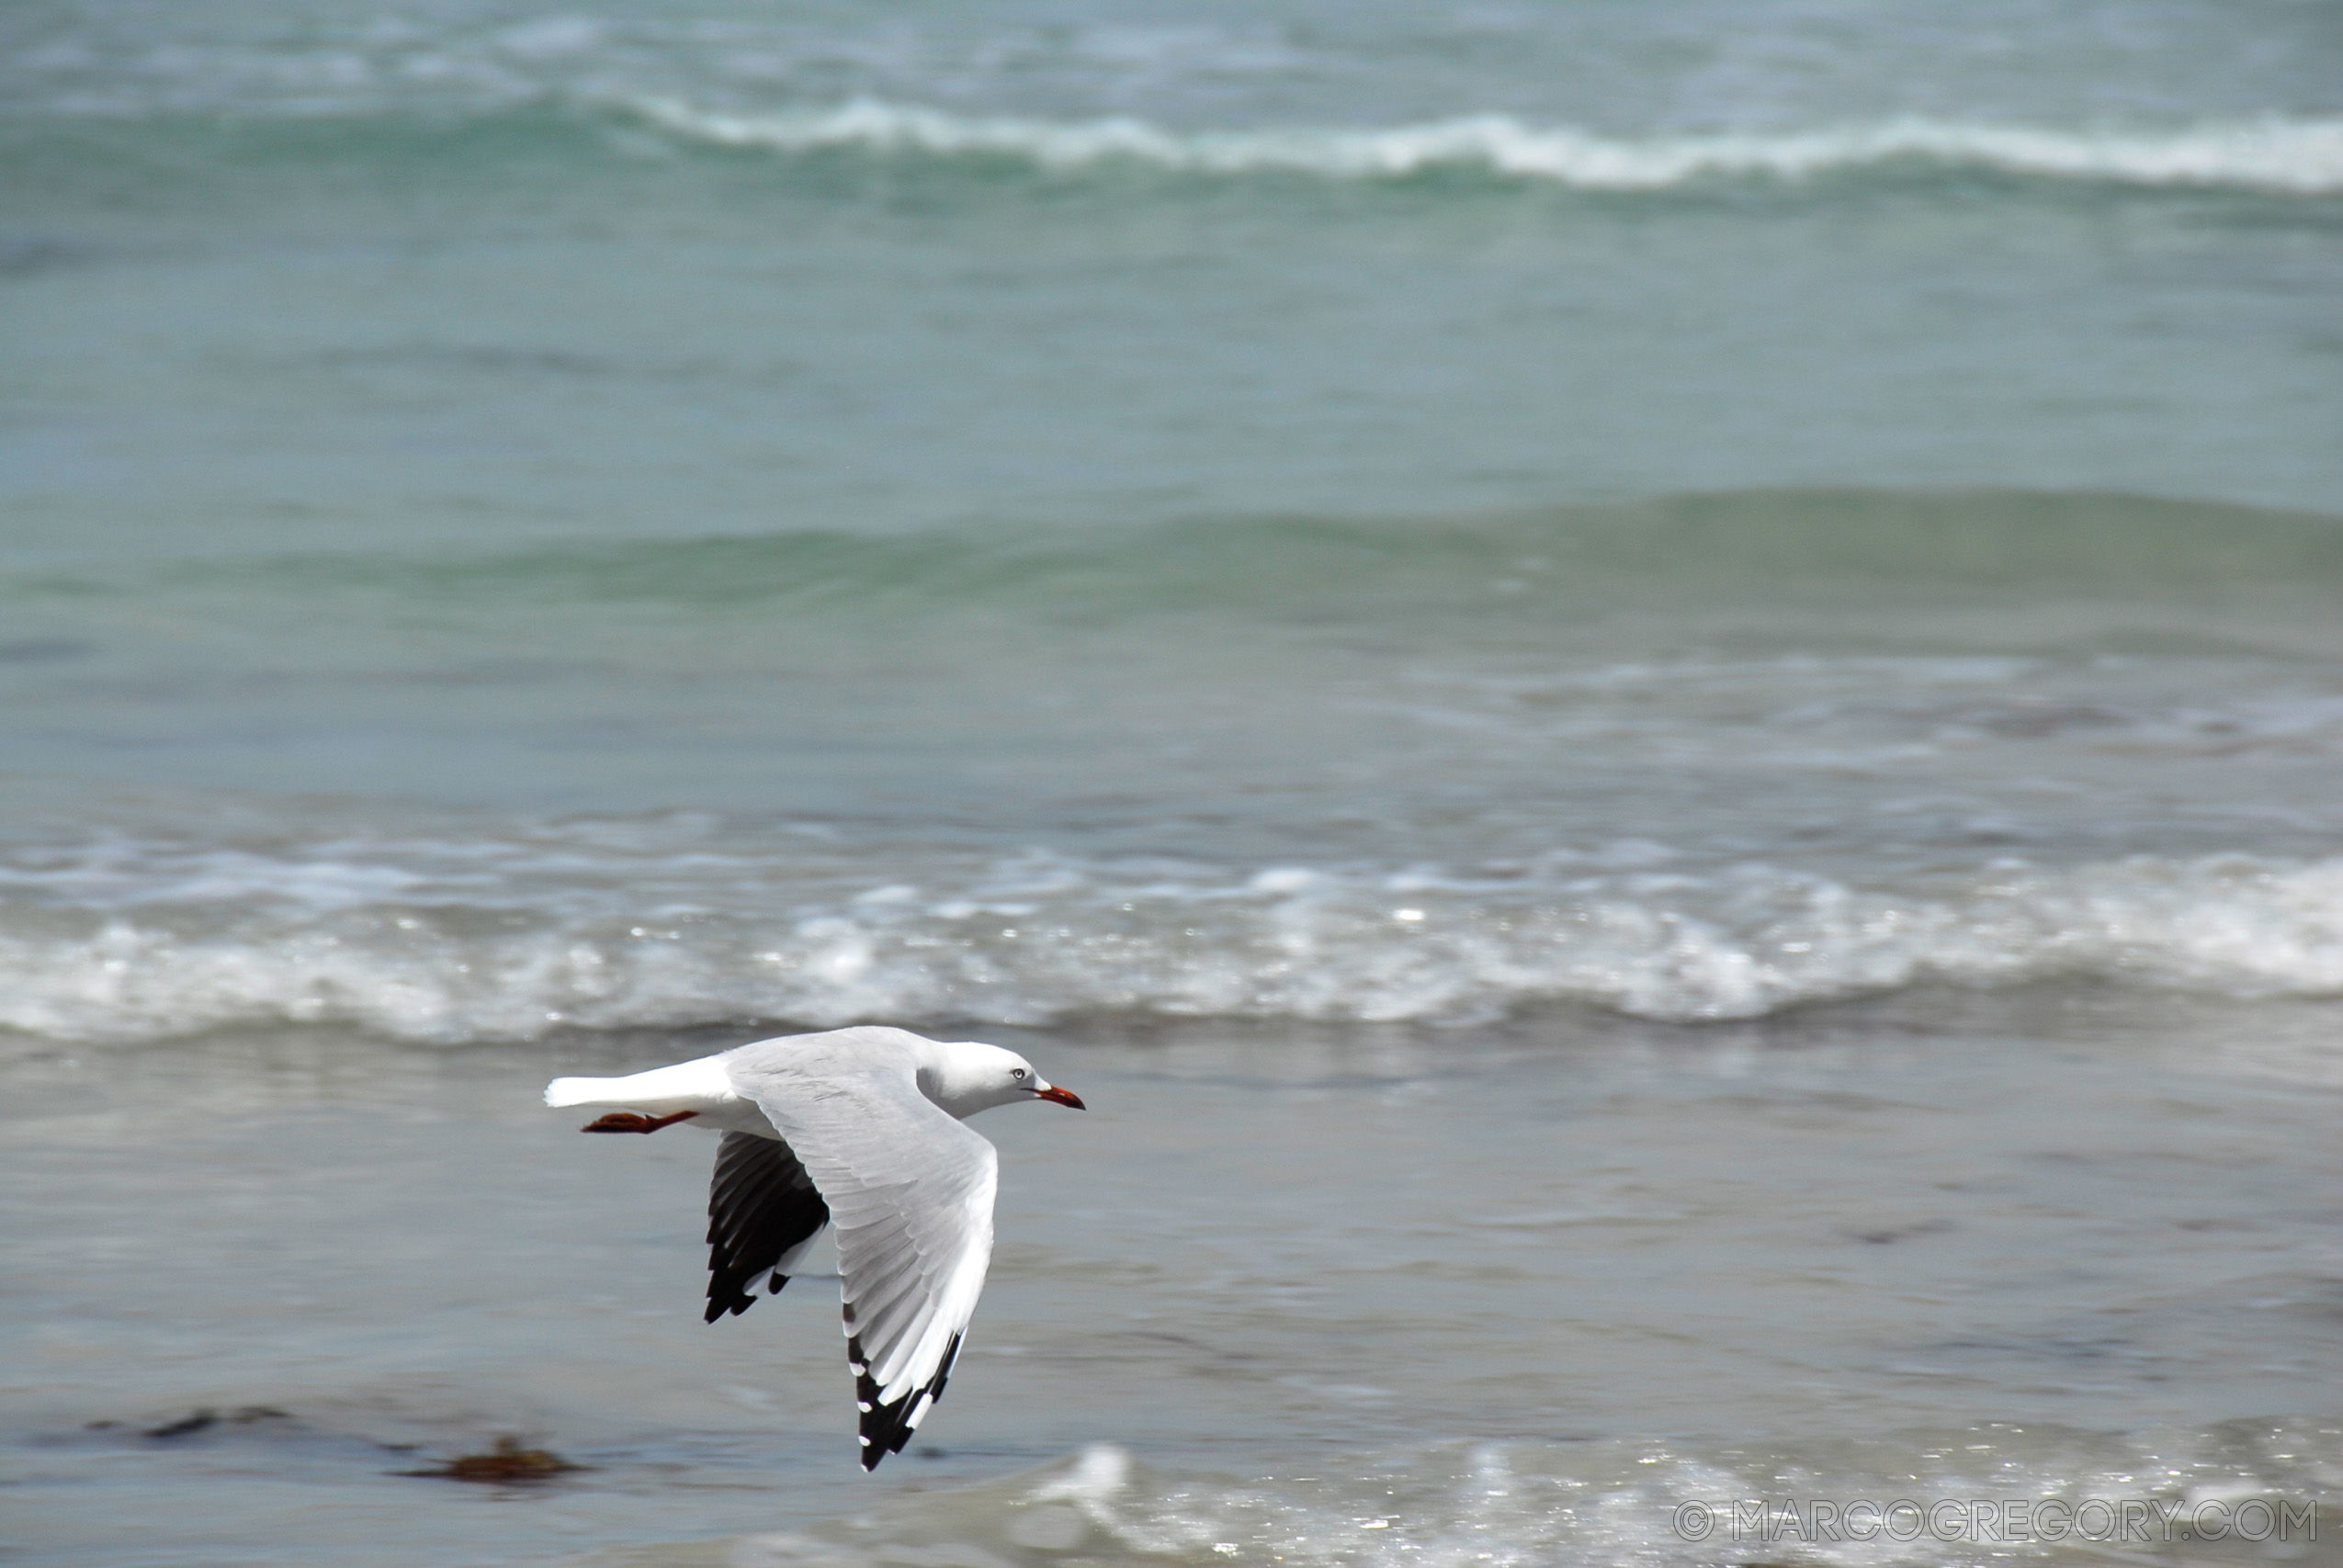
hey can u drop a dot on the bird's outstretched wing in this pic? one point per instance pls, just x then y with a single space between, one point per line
911 1191
761 1206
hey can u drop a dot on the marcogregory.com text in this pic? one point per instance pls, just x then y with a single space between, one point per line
1986 1521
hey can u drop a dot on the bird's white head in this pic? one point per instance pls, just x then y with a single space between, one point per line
964 1077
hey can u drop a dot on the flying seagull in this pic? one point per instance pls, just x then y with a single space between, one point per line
860 1129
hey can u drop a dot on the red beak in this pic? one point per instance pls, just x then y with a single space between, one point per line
1062 1095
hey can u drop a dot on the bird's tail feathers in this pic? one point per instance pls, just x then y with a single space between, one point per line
687 1086
580 1091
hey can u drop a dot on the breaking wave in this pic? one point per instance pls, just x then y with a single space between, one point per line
461 943
2292 156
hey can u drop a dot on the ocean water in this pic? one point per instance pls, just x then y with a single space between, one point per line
1649 696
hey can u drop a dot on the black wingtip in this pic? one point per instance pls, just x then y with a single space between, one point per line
736 1303
885 1429
761 1204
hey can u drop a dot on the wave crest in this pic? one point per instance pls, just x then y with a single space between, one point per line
2292 156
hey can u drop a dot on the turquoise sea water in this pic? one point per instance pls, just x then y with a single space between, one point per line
1737 575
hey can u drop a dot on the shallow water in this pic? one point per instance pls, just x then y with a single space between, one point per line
1649 694
1524 1290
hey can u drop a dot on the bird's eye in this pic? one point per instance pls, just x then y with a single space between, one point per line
1018 1074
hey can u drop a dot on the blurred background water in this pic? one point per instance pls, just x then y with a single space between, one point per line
1294 556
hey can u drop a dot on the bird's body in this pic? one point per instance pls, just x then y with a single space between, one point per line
859 1129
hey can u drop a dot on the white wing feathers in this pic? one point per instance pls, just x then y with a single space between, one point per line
911 1191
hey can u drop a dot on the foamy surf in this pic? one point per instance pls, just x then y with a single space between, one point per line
2271 155
1649 1502
467 949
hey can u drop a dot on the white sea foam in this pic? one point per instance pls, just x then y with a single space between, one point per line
2300 156
445 942
1458 1505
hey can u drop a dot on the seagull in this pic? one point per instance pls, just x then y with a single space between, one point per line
857 1129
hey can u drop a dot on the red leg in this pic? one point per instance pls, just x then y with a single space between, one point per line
634 1121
